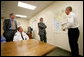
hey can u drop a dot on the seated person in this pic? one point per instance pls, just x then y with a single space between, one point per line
20 35
29 33
3 39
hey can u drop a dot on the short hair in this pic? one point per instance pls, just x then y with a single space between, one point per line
18 28
41 18
11 14
69 8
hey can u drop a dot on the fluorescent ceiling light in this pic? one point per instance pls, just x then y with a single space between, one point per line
27 6
21 16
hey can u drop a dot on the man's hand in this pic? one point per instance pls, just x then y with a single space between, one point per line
63 29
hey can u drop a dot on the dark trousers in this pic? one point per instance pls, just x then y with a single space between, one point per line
73 34
43 38
9 35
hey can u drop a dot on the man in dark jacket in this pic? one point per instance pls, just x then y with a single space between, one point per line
10 28
42 31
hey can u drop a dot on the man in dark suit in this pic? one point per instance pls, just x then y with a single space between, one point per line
42 31
10 28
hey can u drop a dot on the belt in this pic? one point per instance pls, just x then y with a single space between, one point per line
12 29
74 28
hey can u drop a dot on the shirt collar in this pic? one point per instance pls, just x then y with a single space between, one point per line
10 19
71 13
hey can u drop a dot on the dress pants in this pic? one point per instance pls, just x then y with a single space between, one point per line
9 35
43 38
73 34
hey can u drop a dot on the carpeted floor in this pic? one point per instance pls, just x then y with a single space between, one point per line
59 52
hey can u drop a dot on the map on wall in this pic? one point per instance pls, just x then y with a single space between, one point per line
57 24
58 19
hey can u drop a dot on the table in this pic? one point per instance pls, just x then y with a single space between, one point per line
31 47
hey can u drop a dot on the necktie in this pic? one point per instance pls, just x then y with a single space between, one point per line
13 24
22 36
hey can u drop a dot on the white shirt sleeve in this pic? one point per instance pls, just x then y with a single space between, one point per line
70 22
25 36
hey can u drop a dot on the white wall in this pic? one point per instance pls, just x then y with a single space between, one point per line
24 23
60 39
